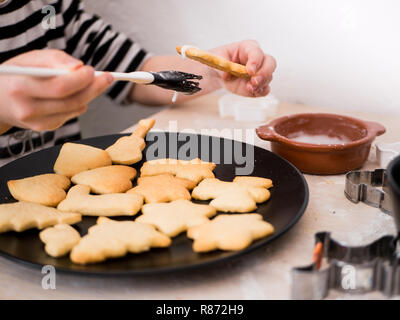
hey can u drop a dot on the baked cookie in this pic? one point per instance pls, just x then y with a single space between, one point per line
46 189
110 179
254 181
20 216
238 196
229 232
128 149
175 217
75 158
59 240
194 170
163 188
113 204
113 239
215 61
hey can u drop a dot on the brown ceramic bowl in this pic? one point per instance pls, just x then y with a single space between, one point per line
321 143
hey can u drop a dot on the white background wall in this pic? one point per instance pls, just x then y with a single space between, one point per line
333 53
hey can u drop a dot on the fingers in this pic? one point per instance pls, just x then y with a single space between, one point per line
261 79
54 87
46 58
75 102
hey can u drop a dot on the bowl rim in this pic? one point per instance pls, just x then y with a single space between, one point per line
374 129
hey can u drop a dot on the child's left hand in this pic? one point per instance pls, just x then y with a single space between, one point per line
259 65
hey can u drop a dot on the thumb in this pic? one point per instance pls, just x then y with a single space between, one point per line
48 58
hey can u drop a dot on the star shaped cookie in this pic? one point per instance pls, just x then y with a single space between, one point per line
175 217
229 232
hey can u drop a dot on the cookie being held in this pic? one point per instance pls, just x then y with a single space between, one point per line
80 200
239 196
113 239
213 61
175 217
128 149
21 216
110 179
194 170
46 189
229 232
163 188
75 158
59 240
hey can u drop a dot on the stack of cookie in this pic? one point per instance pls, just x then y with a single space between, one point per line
103 187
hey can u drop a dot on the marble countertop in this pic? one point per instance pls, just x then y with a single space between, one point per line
263 274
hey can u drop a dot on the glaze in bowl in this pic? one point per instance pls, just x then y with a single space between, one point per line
356 135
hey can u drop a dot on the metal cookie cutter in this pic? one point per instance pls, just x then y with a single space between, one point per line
361 269
363 186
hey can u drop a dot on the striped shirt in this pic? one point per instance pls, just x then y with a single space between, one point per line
82 35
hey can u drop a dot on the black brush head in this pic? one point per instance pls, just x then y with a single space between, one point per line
177 81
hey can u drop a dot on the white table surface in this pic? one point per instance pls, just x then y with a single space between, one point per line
263 274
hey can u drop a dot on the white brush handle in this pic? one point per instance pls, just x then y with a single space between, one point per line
138 76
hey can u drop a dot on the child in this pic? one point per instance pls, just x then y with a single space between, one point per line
40 112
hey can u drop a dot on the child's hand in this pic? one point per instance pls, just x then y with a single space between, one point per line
47 103
259 65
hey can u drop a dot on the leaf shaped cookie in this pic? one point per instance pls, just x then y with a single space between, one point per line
80 200
59 240
113 239
229 232
75 158
110 179
46 189
20 216
163 188
241 195
175 217
194 170
128 150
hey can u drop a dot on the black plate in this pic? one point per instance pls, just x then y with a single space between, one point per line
289 198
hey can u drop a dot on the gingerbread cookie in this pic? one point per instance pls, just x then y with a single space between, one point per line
229 232
113 239
175 217
239 196
20 216
194 170
59 240
46 189
163 188
110 179
112 204
75 158
128 149
214 61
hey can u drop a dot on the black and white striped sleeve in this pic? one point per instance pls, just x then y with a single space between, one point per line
95 42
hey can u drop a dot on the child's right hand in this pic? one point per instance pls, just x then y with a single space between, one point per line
47 103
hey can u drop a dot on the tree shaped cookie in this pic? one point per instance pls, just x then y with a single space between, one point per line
229 232
20 216
194 170
163 188
110 179
128 149
113 239
75 158
59 240
241 195
80 200
175 217
47 189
